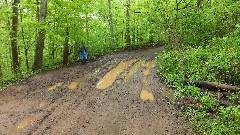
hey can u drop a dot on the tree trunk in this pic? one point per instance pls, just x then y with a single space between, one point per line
214 86
15 61
25 44
111 22
37 18
37 10
38 59
177 11
128 39
66 48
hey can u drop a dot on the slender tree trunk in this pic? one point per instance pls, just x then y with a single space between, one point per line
176 15
111 22
128 39
25 44
37 10
66 48
38 59
37 18
15 61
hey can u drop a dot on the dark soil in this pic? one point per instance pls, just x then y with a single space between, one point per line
66 101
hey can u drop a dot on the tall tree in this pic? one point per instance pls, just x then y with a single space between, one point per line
177 12
128 39
26 47
15 61
37 10
111 22
38 59
66 47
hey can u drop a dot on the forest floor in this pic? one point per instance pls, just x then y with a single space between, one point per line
119 94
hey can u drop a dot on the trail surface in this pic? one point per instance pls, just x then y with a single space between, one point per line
119 94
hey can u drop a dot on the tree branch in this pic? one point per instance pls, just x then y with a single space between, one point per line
213 85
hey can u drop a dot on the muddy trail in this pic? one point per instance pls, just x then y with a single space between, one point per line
119 94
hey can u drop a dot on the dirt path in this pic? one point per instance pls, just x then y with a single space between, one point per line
119 94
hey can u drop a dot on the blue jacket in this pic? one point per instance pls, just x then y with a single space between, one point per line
83 53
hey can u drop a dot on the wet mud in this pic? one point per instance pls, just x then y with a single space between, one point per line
119 94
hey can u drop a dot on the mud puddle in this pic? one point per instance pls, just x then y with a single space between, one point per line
111 76
146 95
24 123
54 87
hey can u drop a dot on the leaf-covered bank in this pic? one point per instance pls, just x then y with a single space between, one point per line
205 47
219 61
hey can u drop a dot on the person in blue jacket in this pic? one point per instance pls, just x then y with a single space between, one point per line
83 54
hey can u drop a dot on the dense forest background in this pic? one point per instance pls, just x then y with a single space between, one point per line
44 34
203 38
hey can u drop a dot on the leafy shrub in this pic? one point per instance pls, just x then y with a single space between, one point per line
226 121
219 61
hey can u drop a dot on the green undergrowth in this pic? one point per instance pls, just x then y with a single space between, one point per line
218 61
